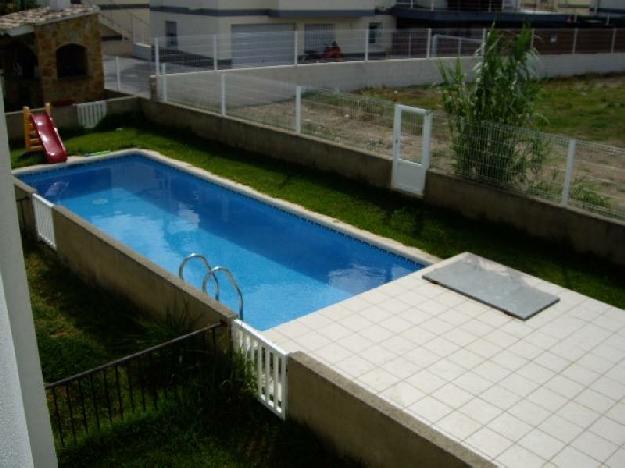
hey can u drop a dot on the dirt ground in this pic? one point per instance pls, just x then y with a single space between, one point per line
599 178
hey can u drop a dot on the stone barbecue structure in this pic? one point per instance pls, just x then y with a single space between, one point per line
51 55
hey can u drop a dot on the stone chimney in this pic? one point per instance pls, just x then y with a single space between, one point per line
57 5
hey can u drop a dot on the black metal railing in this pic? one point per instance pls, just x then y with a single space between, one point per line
89 402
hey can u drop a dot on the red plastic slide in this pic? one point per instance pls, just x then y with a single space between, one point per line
51 141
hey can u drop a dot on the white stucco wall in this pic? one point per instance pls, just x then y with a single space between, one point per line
21 383
14 440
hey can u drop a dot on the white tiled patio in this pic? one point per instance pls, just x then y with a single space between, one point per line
549 391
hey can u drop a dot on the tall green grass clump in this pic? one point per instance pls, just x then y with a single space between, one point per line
488 116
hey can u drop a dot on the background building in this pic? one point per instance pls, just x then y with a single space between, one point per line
51 54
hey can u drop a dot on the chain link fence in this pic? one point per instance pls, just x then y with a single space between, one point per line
582 174
319 43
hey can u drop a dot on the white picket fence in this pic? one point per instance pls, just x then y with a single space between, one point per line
91 113
43 220
269 364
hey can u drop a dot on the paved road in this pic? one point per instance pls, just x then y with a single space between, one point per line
134 75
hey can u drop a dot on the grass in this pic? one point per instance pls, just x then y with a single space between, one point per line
439 232
238 433
81 326
588 107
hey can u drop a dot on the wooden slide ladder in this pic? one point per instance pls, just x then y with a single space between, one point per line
31 137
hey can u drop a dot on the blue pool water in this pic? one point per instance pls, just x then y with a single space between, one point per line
286 266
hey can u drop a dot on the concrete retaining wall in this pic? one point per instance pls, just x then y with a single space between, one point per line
276 144
103 261
585 232
67 117
362 425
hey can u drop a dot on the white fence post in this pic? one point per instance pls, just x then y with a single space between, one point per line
431 43
164 82
568 176
295 47
366 45
223 93
298 109
428 44
484 38
532 38
575 40
157 57
118 78
459 46
426 140
215 53
613 47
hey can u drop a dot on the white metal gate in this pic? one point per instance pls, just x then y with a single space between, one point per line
42 209
411 161
269 363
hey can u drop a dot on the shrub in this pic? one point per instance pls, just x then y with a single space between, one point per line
487 117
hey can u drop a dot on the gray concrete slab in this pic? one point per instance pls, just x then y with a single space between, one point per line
503 289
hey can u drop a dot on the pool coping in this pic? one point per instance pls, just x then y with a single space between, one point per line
412 253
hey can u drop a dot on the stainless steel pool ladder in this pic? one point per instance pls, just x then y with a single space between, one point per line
212 273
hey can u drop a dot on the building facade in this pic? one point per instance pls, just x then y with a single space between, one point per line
247 28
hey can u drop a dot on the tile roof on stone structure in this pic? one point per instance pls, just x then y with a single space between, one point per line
22 22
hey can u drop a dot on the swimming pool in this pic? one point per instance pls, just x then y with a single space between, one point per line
287 266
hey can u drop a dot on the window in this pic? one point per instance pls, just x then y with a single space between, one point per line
318 36
71 61
375 30
171 33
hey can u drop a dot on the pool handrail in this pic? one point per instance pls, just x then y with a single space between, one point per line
213 273
208 266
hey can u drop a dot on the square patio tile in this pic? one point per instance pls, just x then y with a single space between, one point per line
500 397
429 409
518 457
617 460
489 442
426 381
378 379
458 425
541 443
594 446
510 427
570 457
356 343
355 366
473 383
334 331
547 399
480 411
609 430
560 428
402 394
452 395
578 414
528 412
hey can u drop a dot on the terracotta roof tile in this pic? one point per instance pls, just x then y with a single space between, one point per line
37 16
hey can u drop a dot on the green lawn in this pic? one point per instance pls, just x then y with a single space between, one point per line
591 107
239 433
80 326
439 232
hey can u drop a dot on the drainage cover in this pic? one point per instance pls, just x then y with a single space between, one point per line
492 284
